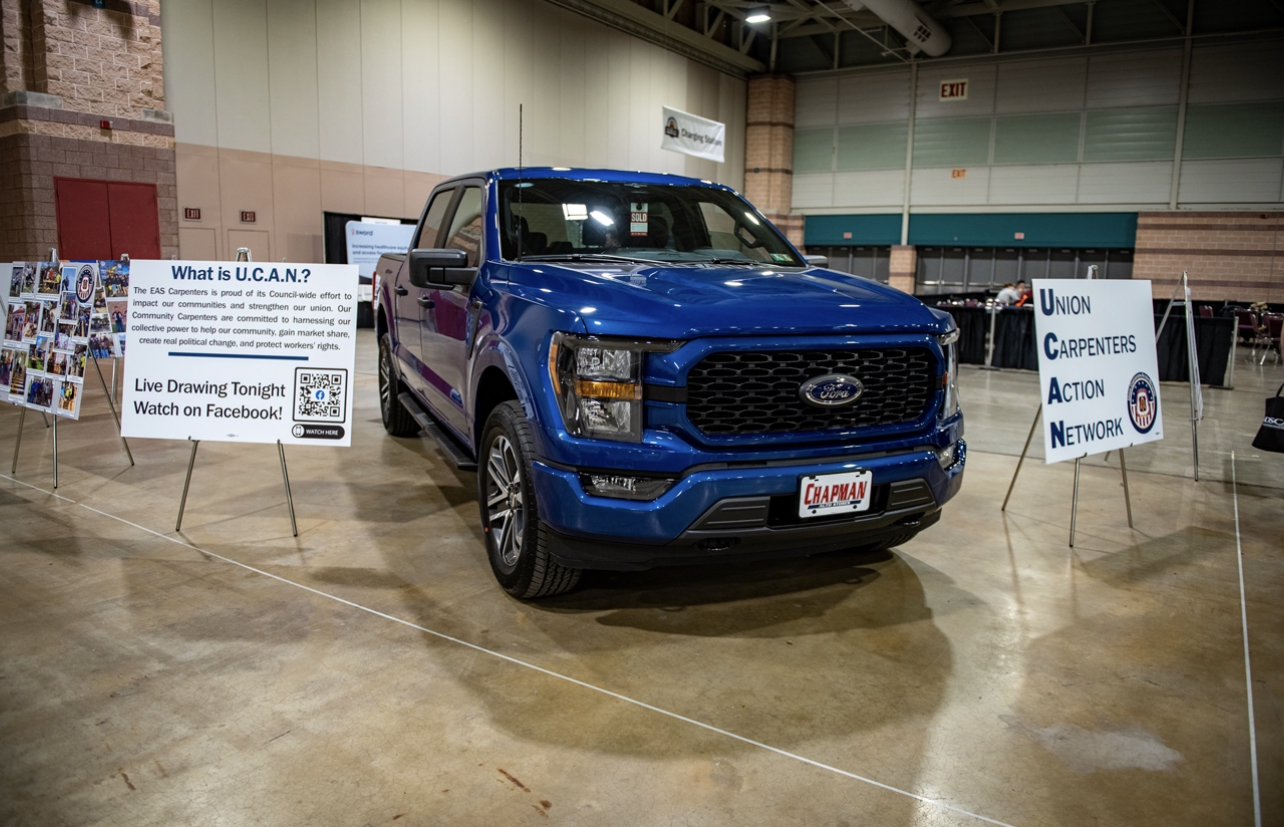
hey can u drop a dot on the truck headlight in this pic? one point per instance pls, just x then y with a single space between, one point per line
950 344
599 384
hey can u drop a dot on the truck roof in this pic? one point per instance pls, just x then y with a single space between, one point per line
611 175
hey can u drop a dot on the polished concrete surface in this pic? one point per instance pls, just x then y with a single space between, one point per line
370 672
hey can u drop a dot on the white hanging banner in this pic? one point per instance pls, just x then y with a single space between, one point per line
1098 372
693 135
241 352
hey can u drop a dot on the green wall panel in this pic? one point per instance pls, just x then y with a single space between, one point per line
1116 230
814 150
1037 139
1141 134
865 229
873 146
947 142
1236 130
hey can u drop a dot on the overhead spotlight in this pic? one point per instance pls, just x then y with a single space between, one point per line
759 14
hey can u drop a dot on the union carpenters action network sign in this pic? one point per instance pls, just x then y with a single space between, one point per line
1097 367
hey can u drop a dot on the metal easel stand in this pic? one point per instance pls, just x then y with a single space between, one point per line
111 403
1192 359
1074 500
242 254
187 484
989 351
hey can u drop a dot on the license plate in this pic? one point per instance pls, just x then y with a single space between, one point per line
826 494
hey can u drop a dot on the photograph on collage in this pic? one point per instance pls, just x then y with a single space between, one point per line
76 364
48 319
18 376
115 278
15 322
50 282
30 272
35 310
40 391
118 312
6 371
81 329
101 346
38 354
69 395
15 279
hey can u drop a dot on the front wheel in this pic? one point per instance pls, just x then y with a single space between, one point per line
516 538
396 419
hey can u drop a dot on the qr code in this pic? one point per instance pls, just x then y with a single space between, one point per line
320 395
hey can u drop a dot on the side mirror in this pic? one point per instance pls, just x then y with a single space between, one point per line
440 268
817 261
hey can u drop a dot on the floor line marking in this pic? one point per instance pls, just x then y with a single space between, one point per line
443 636
1248 664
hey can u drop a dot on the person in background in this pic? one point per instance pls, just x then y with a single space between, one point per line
1026 293
1008 295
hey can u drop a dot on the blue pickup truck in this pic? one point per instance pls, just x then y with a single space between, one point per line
643 371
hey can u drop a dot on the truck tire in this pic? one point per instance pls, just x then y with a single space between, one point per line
516 538
396 419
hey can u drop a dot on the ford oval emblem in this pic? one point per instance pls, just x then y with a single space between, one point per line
833 390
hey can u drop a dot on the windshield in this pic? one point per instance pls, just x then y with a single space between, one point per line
554 218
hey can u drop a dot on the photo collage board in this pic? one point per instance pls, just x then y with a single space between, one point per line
58 315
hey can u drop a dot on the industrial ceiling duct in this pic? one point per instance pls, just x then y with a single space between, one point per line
920 29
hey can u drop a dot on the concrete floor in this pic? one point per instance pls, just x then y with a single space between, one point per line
370 672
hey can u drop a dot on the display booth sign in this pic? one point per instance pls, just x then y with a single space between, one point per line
1098 373
241 352
368 241
693 135
59 315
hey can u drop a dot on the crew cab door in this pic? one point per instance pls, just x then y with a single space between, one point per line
412 304
451 319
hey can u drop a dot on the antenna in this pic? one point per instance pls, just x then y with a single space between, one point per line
519 181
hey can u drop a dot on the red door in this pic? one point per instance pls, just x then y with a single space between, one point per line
106 219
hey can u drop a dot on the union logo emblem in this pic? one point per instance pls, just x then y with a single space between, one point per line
1143 403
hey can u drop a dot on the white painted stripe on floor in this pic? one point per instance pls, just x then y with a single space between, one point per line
1248 663
441 635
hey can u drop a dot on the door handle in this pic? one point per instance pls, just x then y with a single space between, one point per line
401 291
424 301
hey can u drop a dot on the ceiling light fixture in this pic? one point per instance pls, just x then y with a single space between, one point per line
759 14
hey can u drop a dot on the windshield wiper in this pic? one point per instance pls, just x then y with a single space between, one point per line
589 257
746 261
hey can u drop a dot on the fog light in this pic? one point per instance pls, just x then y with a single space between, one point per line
625 488
946 456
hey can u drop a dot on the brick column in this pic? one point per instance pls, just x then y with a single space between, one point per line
902 267
769 151
68 66
1237 256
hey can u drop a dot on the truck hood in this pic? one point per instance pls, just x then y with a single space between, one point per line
658 301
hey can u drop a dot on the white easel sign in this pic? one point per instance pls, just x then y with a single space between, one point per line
241 352
1098 372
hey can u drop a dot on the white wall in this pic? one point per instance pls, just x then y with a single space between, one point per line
1122 166
434 85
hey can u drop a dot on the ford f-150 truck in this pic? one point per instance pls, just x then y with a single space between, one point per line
643 371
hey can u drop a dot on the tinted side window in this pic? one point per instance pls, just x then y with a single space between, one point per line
428 232
466 226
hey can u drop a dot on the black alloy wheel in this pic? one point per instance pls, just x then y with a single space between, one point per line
396 419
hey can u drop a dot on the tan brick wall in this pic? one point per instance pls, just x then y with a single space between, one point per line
17 70
104 61
769 143
902 267
1228 255
29 163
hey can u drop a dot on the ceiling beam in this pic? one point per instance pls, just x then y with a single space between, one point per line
647 25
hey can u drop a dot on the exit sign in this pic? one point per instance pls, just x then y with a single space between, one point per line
247 217
192 213
954 90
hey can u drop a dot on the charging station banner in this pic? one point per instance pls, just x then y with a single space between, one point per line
693 135
1098 372
241 352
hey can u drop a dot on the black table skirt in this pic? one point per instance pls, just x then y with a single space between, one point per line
1015 345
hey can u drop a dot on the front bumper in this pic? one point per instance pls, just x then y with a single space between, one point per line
739 512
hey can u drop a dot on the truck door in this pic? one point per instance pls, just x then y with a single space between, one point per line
446 333
411 303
